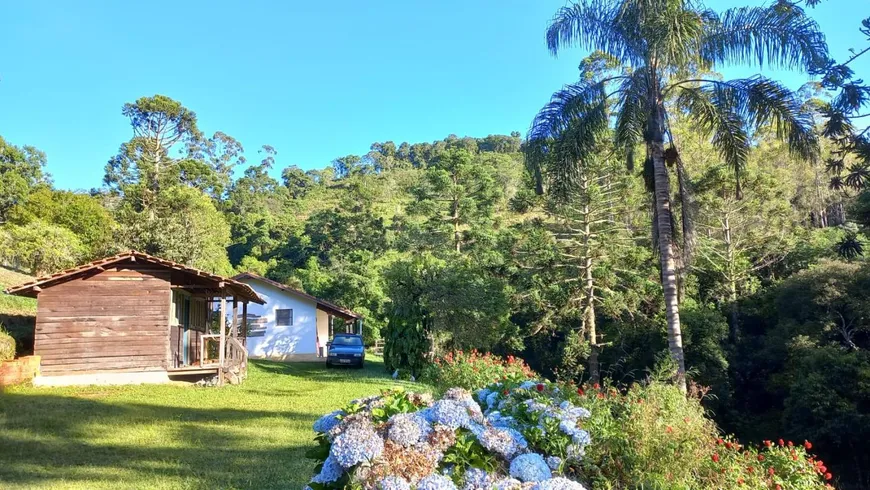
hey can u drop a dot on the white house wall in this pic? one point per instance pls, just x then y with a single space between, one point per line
297 341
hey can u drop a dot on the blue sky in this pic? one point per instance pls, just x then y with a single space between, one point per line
316 80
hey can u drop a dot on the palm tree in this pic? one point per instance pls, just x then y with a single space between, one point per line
661 45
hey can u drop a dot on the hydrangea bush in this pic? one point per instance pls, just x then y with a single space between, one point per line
537 435
519 436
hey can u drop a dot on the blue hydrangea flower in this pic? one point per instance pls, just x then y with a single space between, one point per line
436 482
476 429
408 429
528 385
499 441
535 406
355 446
558 483
575 451
581 438
508 484
393 482
530 467
476 479
450 413
569 411
491 399
328 421
483 393
496 419
519 440
554 462
330 472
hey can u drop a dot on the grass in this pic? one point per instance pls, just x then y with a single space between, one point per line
17 314
14 305
254 435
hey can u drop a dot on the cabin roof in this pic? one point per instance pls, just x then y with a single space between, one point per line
183 276
322 304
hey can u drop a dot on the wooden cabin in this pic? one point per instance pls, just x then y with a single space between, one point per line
136 318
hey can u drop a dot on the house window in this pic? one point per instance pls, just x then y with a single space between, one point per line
284 318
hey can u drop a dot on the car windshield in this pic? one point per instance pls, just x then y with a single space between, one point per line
356 341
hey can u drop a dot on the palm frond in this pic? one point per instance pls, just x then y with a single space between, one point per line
583 101
780 34
759 102
718 116
567 130
591 24
631 115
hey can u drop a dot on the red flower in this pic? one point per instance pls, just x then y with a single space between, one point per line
596 386
828 476
768 443
750 469
580 391
761 457
540 387
505 392
822 469
728 445
778 487
808 445
668 429
719 441
715 458
601 395
790 444
740 481
781 442
771 471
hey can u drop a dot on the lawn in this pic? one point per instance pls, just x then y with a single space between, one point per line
17 314
167 436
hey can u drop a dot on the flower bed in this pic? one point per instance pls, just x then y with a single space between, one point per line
472 369
533 435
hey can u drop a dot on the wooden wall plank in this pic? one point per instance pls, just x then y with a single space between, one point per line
105 321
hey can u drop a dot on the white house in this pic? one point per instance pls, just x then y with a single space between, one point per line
292 325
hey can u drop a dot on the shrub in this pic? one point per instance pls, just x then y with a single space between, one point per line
473 370
7 345
537 435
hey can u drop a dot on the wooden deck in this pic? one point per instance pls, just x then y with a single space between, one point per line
195 369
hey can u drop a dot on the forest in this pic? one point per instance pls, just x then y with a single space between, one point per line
732 250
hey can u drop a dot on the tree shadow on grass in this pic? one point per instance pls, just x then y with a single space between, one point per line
49 439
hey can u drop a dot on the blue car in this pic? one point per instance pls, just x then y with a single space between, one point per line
346 350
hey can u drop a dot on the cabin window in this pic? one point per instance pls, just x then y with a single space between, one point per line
284 318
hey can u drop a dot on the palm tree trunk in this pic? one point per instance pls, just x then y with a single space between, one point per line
666 255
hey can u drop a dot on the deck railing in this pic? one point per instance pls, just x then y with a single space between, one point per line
236 361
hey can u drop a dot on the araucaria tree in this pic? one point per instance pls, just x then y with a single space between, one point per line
662 46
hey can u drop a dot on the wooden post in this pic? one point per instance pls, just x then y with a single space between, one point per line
234 330
245 323
223 339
